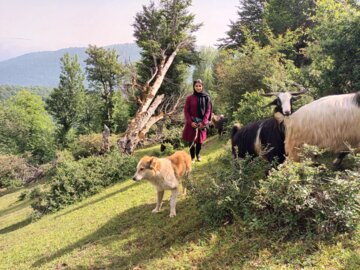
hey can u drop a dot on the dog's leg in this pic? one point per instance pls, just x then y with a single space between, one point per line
185 182
160 195
173 196
184 189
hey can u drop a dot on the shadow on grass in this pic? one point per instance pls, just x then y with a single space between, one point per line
15 207
16 226
143 235
99 199
137 236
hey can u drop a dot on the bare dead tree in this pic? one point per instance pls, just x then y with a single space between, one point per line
149 101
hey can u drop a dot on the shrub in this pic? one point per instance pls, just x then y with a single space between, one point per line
75 180
14 171
295 198
251 109
306 199
88 145
228 191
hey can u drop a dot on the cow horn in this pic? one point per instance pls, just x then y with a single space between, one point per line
302 89
270 94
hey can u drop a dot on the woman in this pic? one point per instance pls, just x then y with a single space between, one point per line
197 111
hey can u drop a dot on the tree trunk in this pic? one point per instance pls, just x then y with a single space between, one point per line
105 147
141 123
132 136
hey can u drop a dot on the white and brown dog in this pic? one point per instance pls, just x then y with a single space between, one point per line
165 174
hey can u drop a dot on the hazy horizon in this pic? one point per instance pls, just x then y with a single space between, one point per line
43 25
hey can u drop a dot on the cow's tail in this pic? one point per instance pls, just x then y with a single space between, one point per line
234 130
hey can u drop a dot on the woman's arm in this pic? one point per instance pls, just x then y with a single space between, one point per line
205 120
186 111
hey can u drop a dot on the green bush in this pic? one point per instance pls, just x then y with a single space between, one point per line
14 171
294 199
251 109
228 191
89 145
75 180
307 199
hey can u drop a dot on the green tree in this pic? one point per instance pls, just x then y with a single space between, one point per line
120 112
91 117
65 102
291 15
254 67
335 51
204 70
26 127
283 15
250 19
162 33
104 73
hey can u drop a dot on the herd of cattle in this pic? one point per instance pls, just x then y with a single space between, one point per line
331 122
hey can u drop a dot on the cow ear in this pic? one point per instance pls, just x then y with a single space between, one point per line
154 164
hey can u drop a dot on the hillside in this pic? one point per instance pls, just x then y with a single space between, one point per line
43 68
115 229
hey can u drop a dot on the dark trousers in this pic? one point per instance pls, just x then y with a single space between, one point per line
194 149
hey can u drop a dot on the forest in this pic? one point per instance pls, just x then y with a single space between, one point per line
66 149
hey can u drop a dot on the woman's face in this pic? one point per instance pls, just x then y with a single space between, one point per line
198 87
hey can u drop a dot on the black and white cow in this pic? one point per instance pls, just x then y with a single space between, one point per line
265 137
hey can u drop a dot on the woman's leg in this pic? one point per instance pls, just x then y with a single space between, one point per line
198 148
192 150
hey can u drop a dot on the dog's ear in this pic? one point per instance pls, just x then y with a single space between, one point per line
154 164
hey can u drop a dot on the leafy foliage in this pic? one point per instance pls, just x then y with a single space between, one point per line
89 145
251 109
158 31
14 171
204 70
104 73
295 198
26 127
8 91
252 68
75 180
91 118
65 102
121 112
250 13
335 50
228 192
303 198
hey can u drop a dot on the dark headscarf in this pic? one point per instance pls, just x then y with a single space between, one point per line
203 100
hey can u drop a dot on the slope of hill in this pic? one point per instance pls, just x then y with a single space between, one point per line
43 68
115 229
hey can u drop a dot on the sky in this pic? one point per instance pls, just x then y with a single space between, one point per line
48 25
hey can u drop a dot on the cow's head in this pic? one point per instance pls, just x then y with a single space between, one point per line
283 101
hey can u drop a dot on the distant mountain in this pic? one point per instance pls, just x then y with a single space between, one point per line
43 68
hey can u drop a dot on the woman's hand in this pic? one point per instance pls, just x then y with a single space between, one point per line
194 125
201 125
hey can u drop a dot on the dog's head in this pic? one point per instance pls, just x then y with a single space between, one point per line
147 168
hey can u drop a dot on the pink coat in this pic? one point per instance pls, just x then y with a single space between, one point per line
191 110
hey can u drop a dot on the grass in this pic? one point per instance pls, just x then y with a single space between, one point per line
115 229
